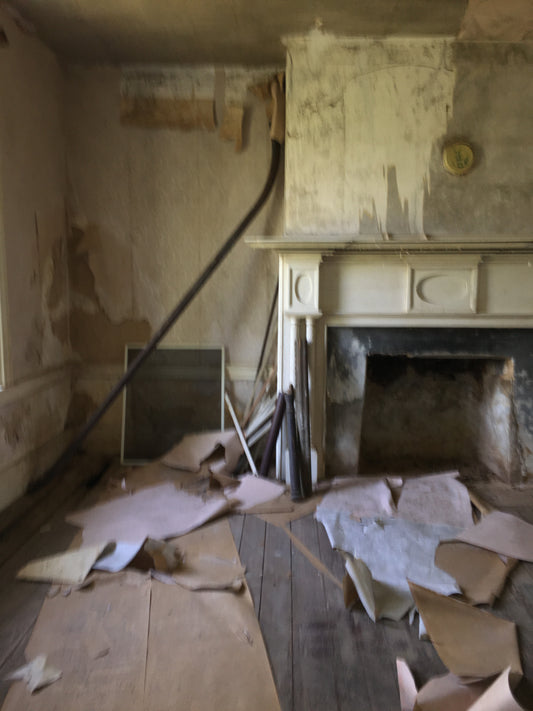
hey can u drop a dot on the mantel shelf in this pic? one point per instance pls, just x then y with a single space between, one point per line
336 244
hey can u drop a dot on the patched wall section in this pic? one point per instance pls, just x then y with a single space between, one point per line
149 208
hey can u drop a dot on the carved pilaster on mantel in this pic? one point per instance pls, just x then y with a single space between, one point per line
302 282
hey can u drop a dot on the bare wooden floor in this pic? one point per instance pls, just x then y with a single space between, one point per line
323 657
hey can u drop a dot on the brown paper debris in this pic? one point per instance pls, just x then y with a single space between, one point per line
156 512
194 449
166 556
378 599
254 491
471 643
480 574
406 685
208 572
231 128
434 499
363 499
71 567
502 533
446 692
158 112
349 592
498 697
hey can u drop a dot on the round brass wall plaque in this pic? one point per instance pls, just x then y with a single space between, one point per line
458 158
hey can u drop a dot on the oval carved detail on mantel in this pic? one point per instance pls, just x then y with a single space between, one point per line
303 289
443 289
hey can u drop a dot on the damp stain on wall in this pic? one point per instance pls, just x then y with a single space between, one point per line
12 424
80 407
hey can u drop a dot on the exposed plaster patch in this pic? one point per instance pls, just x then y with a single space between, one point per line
510 21
102 272
94 335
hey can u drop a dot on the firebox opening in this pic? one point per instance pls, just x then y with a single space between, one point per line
425 414
433 398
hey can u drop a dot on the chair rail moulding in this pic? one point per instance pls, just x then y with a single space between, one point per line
335 283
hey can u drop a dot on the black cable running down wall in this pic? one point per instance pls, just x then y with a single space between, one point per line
171 318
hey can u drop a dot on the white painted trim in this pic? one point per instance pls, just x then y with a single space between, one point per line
357 244
413 320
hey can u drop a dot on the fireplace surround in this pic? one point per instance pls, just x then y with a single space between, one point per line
352 301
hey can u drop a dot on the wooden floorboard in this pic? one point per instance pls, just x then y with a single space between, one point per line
323 656
313 664
20 602
275 614
350 674
236 523
252 551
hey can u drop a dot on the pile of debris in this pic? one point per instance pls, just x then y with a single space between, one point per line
409 546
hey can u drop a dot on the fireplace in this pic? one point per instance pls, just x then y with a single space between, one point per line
380 233
384 322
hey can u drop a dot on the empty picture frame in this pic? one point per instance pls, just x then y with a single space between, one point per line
176 391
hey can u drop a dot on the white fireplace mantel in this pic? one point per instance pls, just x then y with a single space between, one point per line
338 283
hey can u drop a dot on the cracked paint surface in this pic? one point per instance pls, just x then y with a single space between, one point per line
363 117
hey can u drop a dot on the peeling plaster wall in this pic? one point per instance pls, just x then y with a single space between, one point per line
34 288
496 20
366 124
149 209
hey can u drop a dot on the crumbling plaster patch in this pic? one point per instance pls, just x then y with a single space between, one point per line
95 337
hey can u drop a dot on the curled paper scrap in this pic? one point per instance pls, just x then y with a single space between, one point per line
36 673
447 692
472 643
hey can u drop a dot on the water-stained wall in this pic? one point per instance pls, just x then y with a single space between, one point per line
149 207
366 124
34 283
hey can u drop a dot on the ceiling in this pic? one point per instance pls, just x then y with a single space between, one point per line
221 31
